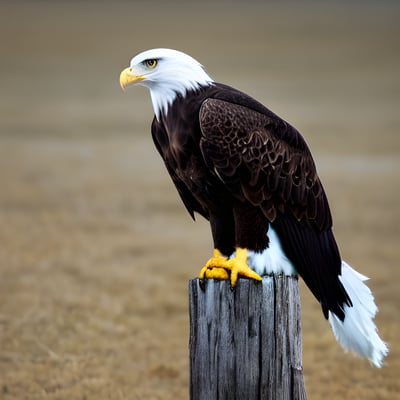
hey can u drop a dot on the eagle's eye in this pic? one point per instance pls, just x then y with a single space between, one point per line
151 63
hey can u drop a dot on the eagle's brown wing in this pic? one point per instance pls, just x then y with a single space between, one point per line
264 160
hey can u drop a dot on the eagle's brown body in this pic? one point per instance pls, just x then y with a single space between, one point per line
245 169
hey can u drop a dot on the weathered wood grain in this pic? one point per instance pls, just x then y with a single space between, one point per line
245 343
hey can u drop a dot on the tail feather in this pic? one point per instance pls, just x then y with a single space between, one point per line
358 332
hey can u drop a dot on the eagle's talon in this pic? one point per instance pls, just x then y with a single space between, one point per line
219 273
219 267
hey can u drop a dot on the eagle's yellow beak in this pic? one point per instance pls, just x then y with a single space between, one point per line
127 77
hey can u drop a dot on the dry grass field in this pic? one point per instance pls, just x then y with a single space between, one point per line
95 246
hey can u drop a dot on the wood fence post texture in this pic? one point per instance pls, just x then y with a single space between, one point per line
245 343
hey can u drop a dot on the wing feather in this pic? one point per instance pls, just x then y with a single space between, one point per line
269 159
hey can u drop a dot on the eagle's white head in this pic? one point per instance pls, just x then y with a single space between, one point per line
166 73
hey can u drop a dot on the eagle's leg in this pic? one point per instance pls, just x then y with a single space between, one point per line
219 267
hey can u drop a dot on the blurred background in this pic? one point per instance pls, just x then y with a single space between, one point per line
95 246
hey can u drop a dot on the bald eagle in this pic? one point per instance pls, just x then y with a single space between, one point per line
252 176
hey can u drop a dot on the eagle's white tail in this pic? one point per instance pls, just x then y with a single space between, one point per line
358 332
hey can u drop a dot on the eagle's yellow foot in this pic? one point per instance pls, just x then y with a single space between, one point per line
219 267
215 267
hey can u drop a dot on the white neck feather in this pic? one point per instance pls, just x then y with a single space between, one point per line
179 80
162 96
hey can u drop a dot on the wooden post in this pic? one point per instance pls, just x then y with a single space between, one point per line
245 343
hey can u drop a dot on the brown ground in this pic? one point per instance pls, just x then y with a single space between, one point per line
96 249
